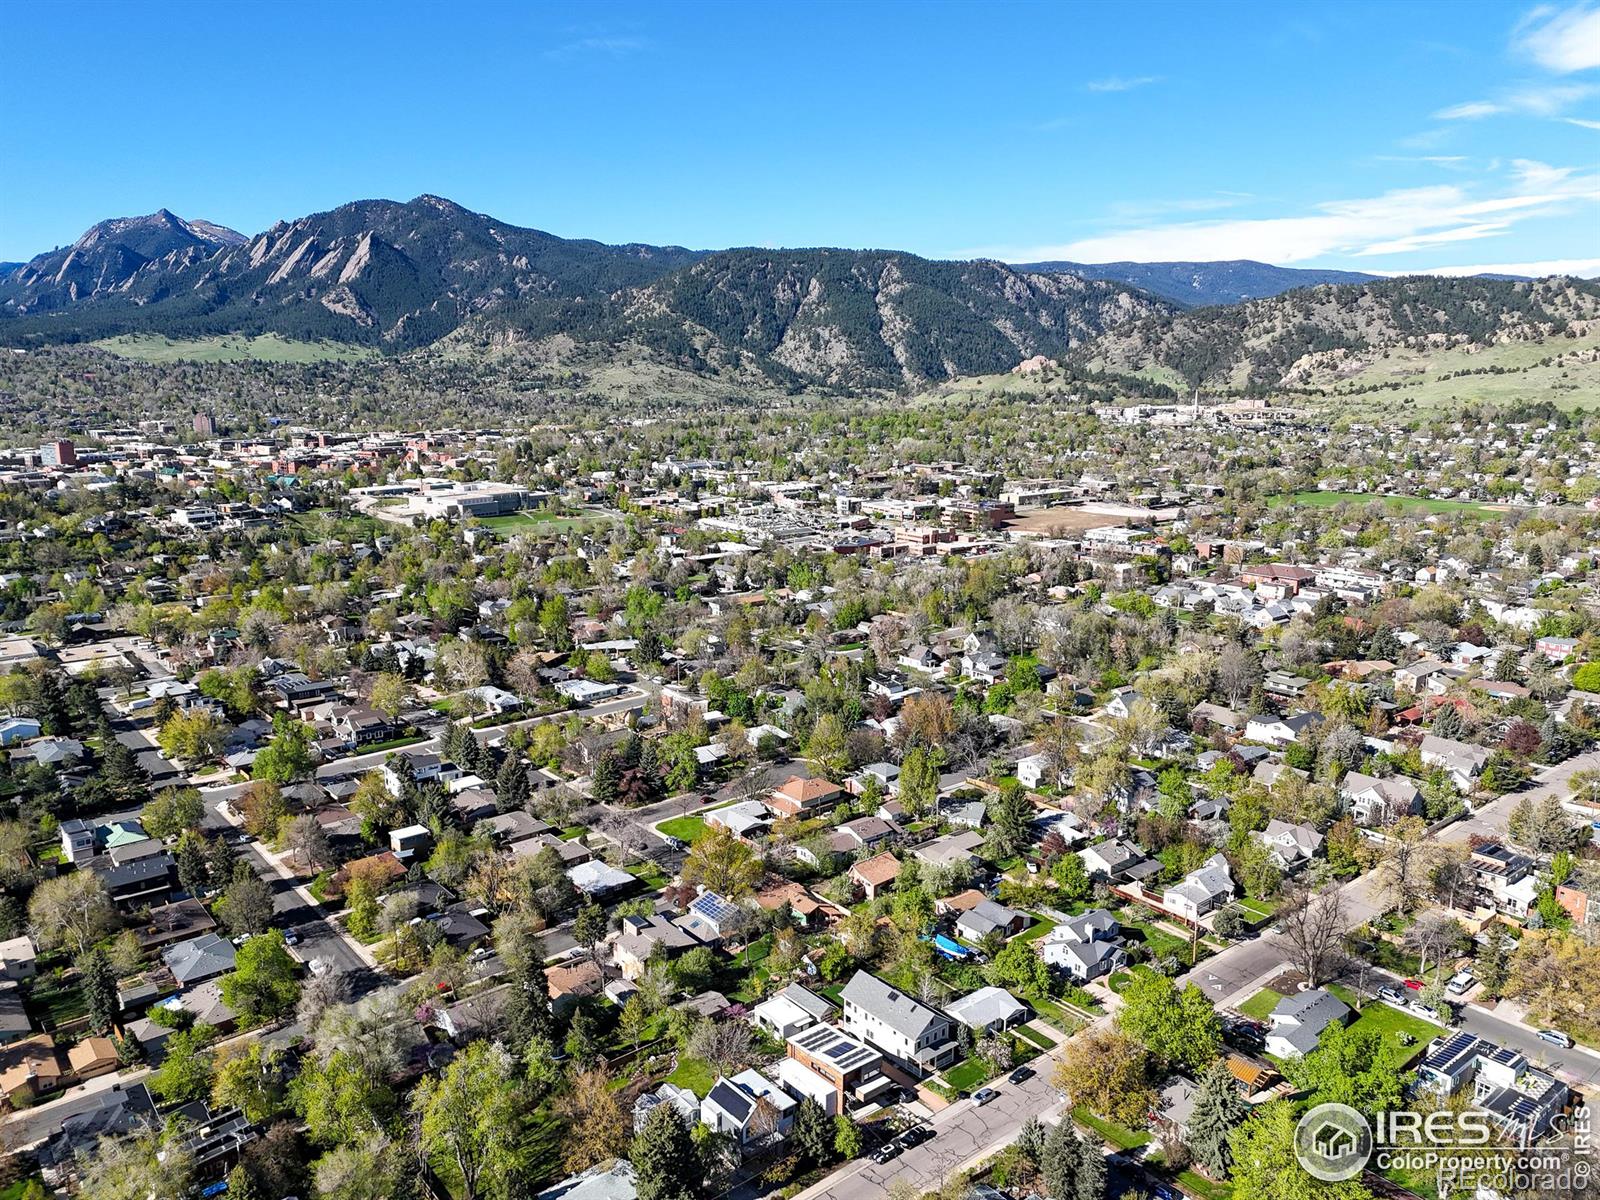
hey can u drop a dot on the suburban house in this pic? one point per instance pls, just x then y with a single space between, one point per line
988 1010
1085 947
1298 1021
199 959
952 848
1462 761
681 1098
918 1038
832 1068
1521 1099
876 873
1215 716
790 1010
1374 802
1289 845
750 1108
641 938
1280 731
1202 891
986 917
1114 860
1035 771
799 795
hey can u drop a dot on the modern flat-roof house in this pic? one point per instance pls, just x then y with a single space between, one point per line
791 1010
1503 879
1521 1099
832 1068
918 1038
1298 1022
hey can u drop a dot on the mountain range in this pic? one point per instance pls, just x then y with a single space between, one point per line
1198 284
403 276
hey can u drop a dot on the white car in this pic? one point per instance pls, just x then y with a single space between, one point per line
320 966
1461 983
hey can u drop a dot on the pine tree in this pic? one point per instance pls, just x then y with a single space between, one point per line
664 1157
1090 1182
99 985
511 789
1031 1139
1063 1152
192 871
607 776
1218 1108
813 1133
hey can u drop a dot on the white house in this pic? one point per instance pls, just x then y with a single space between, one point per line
735 1106
918 1038
1202 891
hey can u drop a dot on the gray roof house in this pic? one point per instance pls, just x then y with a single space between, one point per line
1201 891
1085 947
985 917
917 1037
199 959
1298 1021
988 1010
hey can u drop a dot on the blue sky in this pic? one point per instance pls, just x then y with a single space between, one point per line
1379 137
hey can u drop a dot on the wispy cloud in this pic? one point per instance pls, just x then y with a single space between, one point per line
1121 83
1453 162
1536 101
1581 123
1549 266
1395 222
1561 40
604 47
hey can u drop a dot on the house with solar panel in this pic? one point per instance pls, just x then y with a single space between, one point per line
1519 1098
916 1037
713 919
836 1070
749 1108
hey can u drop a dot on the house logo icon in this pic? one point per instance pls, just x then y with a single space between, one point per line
1333 1142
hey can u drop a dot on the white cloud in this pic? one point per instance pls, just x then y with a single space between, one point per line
1581 123
1396 222
1585 267
1535 101
604 46
1561 40
1118 83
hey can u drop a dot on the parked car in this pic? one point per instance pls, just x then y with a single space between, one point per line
889 1150
982 1096
1461 983
1391 995
1556 1038
1414 985
291 936
1021 1074
320 966
916 1135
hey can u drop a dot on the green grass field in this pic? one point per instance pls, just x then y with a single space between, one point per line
685 829
1259 1007
693 1073
534 521
1403 504
267 347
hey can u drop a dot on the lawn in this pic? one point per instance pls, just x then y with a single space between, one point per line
230 348
1391 1023
1042 1040
693 1073
1037 930
965 1076
1261 908
533 521
688 830
1119 1136
1259 1007
1401 504
1056 1015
